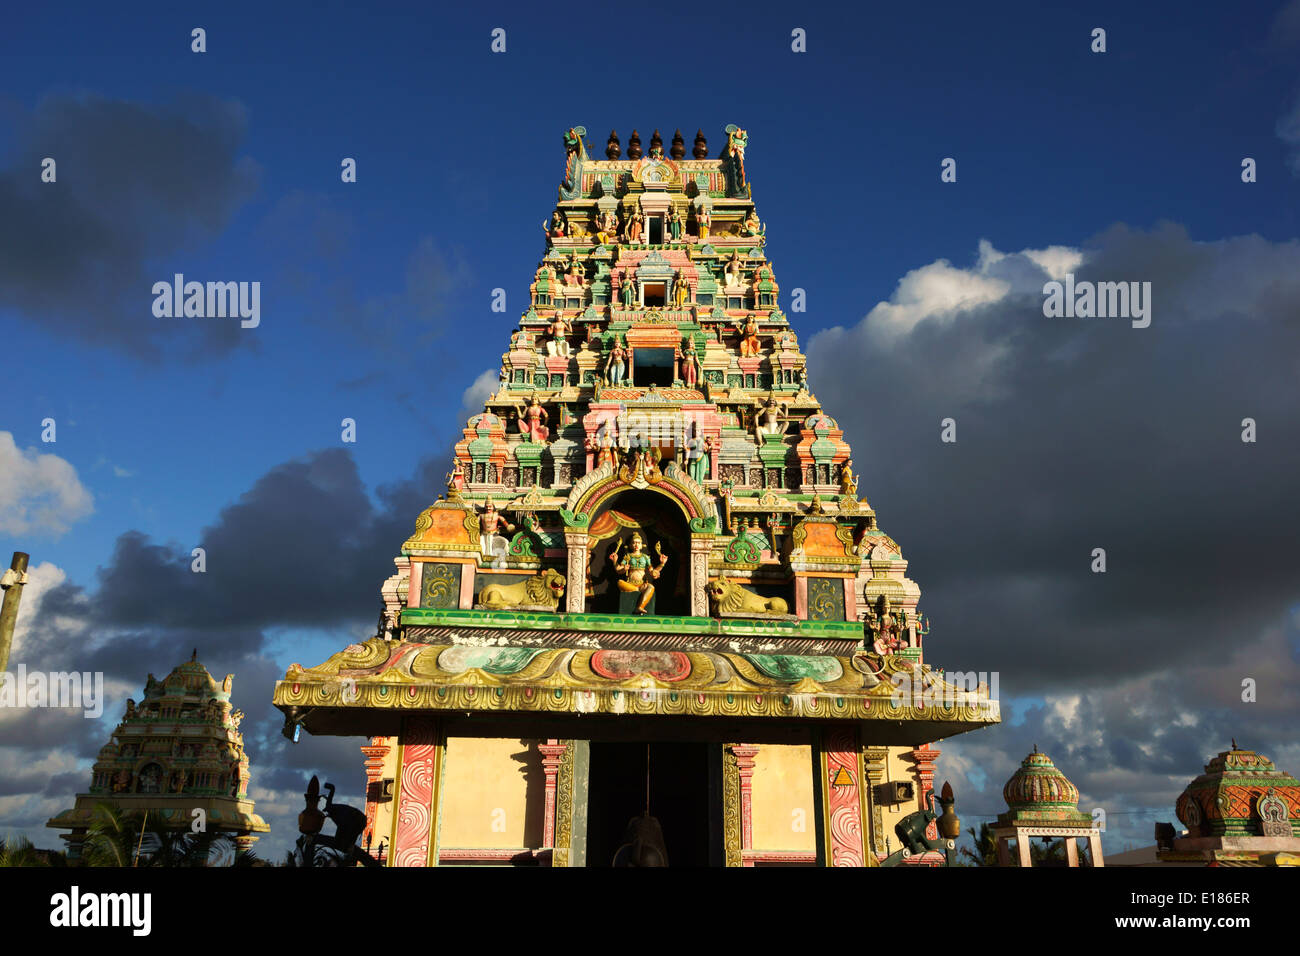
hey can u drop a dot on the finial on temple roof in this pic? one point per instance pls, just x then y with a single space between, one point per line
1234 743
701 150
656 145
678 150
613 149
634 145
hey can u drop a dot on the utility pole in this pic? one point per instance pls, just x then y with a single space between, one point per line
12 582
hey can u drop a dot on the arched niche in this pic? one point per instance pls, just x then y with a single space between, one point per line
660 523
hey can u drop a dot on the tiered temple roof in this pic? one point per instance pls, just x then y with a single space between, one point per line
178 750
653 385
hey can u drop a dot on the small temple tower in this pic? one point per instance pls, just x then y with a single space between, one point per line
1242 811
178 751
1041 803
653 619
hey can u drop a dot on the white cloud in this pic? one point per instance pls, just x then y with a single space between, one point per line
40 493
471 401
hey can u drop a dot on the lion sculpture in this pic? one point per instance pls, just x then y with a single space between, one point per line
543 590
730 598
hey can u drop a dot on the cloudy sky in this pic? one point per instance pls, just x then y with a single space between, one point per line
924 302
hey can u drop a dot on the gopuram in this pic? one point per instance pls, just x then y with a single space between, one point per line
176 755
652 621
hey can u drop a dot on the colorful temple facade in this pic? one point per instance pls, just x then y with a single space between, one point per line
652 586
1042 804
1243 811
179 751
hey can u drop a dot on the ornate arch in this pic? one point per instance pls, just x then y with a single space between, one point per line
597 487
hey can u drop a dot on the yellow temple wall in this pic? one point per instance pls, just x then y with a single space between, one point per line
783 809
493 793
384 808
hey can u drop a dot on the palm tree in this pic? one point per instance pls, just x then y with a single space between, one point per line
111 838
18 851
986 847
118 838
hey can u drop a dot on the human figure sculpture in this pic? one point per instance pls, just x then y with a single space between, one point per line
559 344
606 228
456 477
848 483
768 419
638 571
603 445
690 365
681 289
676 225
634 226
574 274
616 364
698 450
531 422
703 220
558 225
749 343
751 225
490 523
734 270
629 293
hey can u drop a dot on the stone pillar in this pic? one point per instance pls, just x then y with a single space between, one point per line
576 588
1071 851
552 756
701 545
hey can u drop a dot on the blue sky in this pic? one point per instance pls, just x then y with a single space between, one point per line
375 295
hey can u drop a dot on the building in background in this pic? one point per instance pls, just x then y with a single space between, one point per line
652 589
178 757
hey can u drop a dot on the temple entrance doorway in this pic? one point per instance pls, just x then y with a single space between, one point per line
679 797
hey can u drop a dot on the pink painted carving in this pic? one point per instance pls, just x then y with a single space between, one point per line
662 665
415 799
843 804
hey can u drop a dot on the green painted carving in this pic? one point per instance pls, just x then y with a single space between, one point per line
440 586
571 520
793 668
742 551
704 525
493 660
825 599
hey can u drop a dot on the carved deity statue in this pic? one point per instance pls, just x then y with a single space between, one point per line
616 364
848 483
490 523
532 422
681 290
559 328
703 220
676 225
690 362
558 226
749 343
698 451
637 226
734 270
602 443
606 228
768 419
637 570
456 477
628 292
751 226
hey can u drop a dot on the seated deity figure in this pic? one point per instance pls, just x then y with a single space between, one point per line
637 570
768 419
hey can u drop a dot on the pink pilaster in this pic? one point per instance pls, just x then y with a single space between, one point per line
374 752
924 756
552 755
745 754
842 786
413 830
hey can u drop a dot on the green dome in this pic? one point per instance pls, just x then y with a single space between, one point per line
1038 792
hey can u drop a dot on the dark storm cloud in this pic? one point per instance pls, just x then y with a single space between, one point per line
304 546
1075 434
135 183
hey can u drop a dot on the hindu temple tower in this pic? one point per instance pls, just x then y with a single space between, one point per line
652 583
